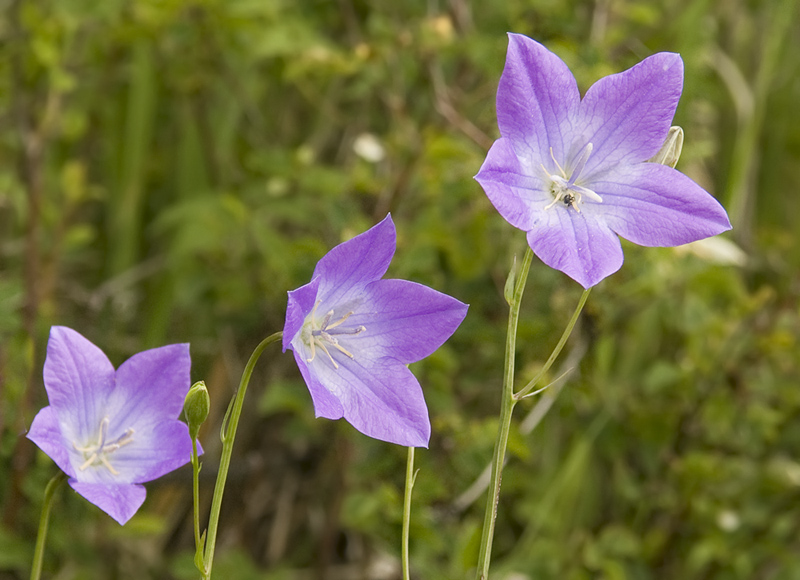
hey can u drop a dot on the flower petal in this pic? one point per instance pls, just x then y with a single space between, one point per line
382 399
325 404
350 266
118 501
300 304
626 116
655 205
164 448
578 244
78 378
46 433
537 99
150 388
513 189
403 320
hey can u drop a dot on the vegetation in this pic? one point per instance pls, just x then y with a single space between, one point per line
169 169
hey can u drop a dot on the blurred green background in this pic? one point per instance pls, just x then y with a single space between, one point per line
170 168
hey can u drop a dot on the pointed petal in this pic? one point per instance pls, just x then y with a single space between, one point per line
299 305
46 433
150 388
627 116
153 453
579 245
655 205
325 404
537 100
382 399
403 320
513 189
118 501
350 266
78 378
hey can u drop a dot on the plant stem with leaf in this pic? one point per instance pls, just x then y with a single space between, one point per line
515 288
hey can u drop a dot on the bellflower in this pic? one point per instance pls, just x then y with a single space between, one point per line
574 174
352 335
108 430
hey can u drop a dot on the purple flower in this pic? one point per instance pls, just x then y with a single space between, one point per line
112 430
353 334
573 173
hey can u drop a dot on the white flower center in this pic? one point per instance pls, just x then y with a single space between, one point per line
564 188
97 453
323 333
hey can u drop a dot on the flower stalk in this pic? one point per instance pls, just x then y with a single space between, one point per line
411 477
506 410
44 522
509 401
228 435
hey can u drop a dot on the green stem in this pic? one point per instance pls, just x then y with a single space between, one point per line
44 521
228 435
557 350
506 410
198 541
509 400
411 476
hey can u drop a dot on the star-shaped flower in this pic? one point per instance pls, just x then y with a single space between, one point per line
353 334
574 174
112 430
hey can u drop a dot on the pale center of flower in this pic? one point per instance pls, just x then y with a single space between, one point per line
322 333
565 189
97 452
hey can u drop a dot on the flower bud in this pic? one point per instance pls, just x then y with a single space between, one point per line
196 407
670 151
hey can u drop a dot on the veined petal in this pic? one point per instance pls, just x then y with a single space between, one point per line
404 320
78 378
46 433
150 388
119 501
654 205
153 453
537 100
382 399
626 116
325 404
350 266
578 244
301 302
513 189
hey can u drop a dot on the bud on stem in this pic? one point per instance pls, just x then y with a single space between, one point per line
196 407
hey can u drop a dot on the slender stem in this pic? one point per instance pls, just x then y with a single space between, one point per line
506 410
228 435
198 542
411 476
44 521
509 400
557 350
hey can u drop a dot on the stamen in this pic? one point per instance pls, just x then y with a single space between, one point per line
322 346
580 163
553 157
325 333
98 453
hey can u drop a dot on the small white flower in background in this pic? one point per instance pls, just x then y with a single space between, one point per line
728 520
369 148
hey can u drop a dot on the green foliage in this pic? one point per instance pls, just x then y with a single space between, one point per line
169 169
